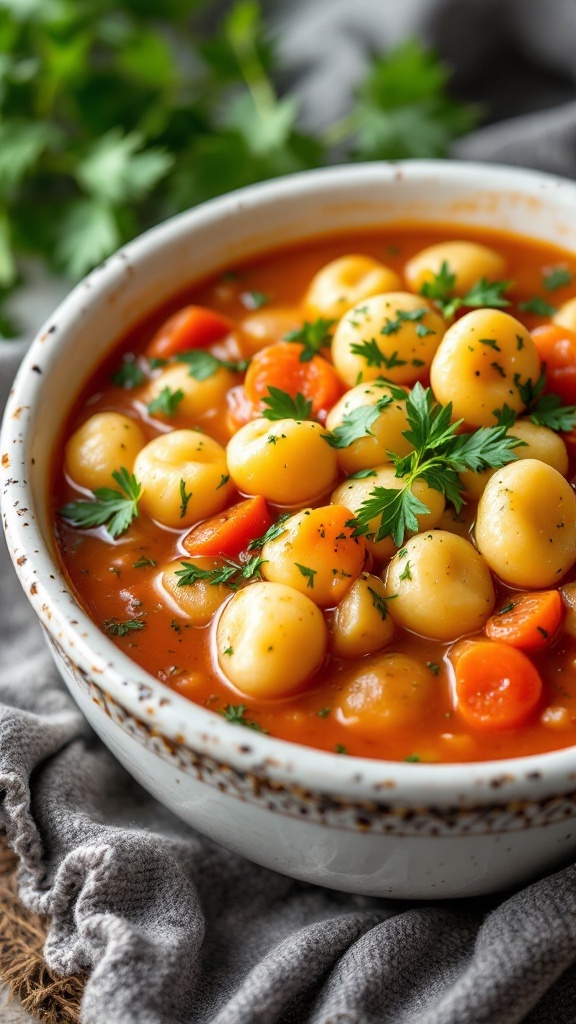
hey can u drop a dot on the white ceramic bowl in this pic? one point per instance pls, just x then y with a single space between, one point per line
374 827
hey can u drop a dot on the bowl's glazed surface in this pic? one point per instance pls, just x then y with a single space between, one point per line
374 827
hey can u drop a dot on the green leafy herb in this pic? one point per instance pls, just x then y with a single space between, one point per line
229 651
406 316
406 573
413 758
129 375
254 300
202 365
105 128
116 628
538 306
362 474
184 498
272 532
229 575
379 602
323 713
440 289
340 749
309 574
224 478
491 342
370 351
282 406
143 562
440 455
550 412
237 715
156 363
313 335
166 403
555 278
356 424
113 509
434 667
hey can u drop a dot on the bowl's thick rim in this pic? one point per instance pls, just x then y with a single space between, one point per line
170 714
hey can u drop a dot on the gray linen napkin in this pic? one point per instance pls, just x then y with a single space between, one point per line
172 928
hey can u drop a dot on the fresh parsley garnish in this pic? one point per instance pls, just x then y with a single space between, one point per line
434 667
379 602
281 405
229 575
116 628
202 365
129 375
373 355
272 532
356 424
166 403
323 713
555 278
308 574
440 455
313 335
407 316
361 474
538 306
236 713
440 289
224 478
143 562
546 410
184 498
406 573
113 509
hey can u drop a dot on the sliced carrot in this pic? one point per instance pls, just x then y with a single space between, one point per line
230 532
557 349
527 620
497 686
280 366
190 327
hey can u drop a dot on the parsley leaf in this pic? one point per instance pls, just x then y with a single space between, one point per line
143 562
356 424
440 455
237 715
113 509
129 375
440 289
313 335
549 412
309 574
229 575
404 316
379 602
370 351
272 532
281 405
202 365
184 498
166 403
254 300
538 306
116 628
555 278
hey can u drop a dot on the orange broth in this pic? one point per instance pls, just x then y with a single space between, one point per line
102 574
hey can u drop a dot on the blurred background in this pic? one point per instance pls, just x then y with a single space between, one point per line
115 114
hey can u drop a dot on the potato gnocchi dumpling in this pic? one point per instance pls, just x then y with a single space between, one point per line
441 586
386 431
345 282
316 554
353 493
184 478
539 443
480 362
393 335
526 524
391 691
198 601
270 640
468 261
269 325
104 443
198 396
287 461
362 623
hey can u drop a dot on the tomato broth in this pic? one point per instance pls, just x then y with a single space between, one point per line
120 580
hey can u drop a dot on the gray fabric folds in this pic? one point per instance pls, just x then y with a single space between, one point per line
173 929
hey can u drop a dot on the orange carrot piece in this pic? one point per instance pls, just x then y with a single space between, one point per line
557 349
279 366
528 620
230 532
497 686
190 327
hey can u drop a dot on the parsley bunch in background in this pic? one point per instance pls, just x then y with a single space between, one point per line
115 114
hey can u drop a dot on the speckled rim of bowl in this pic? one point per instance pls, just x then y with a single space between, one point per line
173 716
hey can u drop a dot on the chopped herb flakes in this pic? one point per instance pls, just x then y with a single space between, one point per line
309 574
116 628
538 306
313 336
555 278
129 375
281 406
237 715
166 403
184 498
203 365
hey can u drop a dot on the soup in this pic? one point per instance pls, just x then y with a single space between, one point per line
327 495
